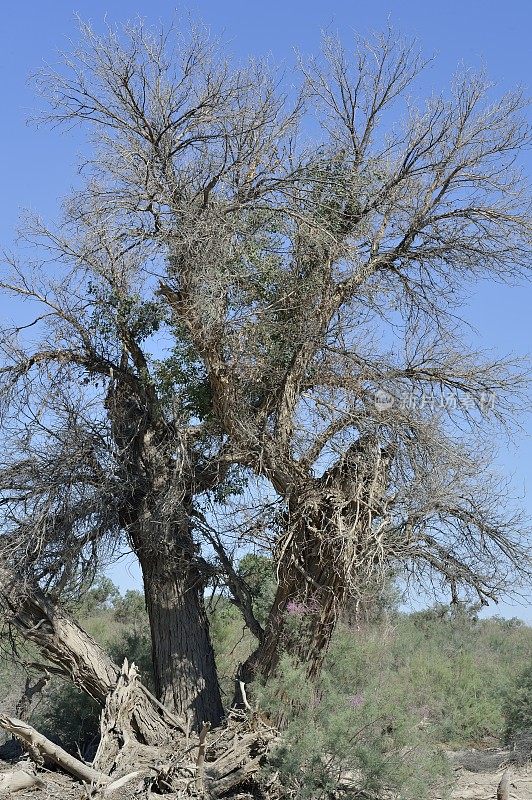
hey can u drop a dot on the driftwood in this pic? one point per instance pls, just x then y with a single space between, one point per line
200 761
117 719
74 654
116 734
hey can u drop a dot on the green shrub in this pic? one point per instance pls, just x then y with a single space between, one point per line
70 717
519 704
349 724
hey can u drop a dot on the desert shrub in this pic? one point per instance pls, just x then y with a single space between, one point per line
392 692
456 669
130 609
518 710
349 724
434 675
70 717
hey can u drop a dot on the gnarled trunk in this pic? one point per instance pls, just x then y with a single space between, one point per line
331 543
156 514
301 621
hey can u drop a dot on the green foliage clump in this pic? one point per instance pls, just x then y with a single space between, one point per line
395 692
259 574
519 704
457 670
349 731
232 643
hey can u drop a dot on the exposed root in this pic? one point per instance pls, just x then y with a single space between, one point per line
214 764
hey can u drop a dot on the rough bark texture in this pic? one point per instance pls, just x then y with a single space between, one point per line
156 512
183 658
300 624
62 641
331 526
503 789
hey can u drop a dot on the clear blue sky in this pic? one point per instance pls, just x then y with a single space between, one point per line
37 167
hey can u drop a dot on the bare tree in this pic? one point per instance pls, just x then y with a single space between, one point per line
309 293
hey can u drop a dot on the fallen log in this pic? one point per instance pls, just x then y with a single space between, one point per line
503 789
39 744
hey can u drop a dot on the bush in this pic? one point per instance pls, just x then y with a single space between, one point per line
457 670
349 725
70 717
519 704
392 693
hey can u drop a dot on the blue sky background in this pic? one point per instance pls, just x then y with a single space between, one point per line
38 166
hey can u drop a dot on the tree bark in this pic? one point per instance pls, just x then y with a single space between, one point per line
157 517
329 540
186 679
300 623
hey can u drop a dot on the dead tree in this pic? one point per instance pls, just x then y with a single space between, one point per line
68 651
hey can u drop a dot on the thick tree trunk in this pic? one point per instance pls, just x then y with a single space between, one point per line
157 517
184 667
183 658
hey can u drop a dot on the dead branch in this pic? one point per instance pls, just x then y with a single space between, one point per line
200 761
37 743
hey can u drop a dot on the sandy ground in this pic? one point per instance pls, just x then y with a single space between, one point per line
479 772
483 785
477 776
